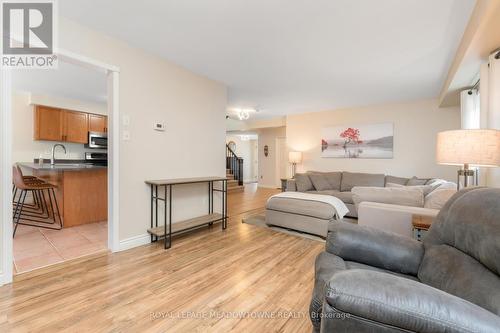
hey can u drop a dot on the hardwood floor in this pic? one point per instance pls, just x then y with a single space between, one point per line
209 281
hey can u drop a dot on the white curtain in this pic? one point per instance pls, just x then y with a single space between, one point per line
493 117
470 109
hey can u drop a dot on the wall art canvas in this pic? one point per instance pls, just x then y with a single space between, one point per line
358 141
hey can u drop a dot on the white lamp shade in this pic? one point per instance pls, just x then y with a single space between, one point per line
295 157
479 147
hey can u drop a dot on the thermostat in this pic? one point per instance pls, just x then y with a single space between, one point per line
159 127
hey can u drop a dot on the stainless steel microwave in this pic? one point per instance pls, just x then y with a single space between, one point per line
97 140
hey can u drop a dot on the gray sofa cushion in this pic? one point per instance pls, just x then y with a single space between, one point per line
303 182
311 208
327 265
474 231
468 223
396 180
375 300
326 180
346 197
349 180
446 268
426 189
405 195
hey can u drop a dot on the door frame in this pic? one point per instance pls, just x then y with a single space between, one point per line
278 160
113 75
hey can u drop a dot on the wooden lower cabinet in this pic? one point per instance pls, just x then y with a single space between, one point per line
82 195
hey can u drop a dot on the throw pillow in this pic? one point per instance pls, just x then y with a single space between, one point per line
320 181
303 182
425 188
417 181
404 196
326 180
436 199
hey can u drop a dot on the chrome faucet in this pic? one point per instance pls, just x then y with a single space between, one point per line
52 161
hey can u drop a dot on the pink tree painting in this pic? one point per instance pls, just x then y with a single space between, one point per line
358 141
350 135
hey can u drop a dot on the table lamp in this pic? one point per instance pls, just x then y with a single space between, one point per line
468 147
294 157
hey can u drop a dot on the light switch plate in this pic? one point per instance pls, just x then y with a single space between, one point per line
159 126
126 120
126 135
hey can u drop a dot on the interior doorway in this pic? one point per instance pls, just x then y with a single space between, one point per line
112 83
245 145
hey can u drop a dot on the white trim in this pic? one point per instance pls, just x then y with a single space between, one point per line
113 161
135 241
83 61
6 156
6 175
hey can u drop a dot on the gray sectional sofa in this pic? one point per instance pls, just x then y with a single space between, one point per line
369 280
339 184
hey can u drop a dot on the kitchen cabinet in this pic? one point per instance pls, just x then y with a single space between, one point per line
98 123
75 126
48 123
53 124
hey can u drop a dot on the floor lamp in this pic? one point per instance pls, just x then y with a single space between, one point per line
294 157
468 147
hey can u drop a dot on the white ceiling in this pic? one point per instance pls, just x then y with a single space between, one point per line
67 81
284 56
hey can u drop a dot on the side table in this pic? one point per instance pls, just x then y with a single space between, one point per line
421 224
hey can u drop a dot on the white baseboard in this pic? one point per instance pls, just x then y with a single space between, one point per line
135 241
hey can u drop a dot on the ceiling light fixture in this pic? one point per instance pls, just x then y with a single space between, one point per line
243 114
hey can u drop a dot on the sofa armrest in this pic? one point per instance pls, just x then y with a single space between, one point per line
372 300
393 218
291 186
374 247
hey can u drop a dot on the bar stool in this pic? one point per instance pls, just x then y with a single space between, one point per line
39 214
37 202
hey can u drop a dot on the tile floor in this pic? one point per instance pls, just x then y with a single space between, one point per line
38 247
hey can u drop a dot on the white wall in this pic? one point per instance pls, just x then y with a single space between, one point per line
267 164
24 148
415 127
152 89
244 150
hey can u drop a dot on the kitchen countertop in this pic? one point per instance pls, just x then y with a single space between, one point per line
62 166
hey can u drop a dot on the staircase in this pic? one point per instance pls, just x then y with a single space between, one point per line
234 171
232 184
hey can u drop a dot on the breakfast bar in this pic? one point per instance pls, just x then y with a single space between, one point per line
81 189
168 228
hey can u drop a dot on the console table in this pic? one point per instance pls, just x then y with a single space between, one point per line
168 228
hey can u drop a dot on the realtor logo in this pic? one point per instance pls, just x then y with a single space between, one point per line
28 32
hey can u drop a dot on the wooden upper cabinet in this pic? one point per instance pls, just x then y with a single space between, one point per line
54 124
48 123
76 126
98 123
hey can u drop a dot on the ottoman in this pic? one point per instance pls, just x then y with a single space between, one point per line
304 212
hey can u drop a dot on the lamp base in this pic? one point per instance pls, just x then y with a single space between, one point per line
469 176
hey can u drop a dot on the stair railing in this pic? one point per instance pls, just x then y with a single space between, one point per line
234 164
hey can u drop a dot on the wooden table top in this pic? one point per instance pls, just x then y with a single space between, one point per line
422 221
177 181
